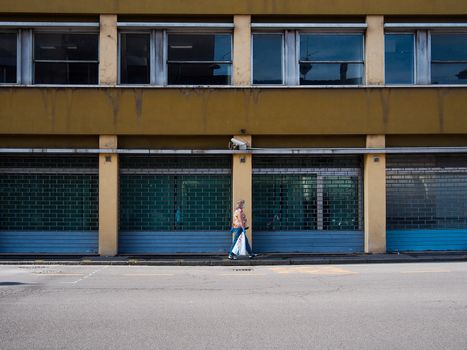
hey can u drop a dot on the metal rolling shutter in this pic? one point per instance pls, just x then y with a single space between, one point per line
426 202
175 204
49 204
307 204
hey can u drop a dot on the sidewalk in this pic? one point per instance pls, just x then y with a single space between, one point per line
221 260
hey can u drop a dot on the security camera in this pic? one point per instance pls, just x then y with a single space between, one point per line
238 144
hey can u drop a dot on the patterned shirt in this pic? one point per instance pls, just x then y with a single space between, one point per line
239 218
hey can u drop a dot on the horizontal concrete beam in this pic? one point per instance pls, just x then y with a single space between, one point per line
269 151
231 111
232 7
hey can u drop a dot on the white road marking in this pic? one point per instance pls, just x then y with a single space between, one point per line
426 271
88 275
241 274
313 270
57 274
146 274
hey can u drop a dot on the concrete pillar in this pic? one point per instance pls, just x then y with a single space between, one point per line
108 51
242 183
375 196
108 197
374 50
241 72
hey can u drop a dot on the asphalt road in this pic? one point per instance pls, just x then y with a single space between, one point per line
379 306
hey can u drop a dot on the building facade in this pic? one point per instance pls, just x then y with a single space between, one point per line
116 120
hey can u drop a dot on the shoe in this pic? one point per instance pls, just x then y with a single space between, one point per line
232 257
252 256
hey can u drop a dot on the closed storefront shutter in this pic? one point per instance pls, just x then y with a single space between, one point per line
426 202
175 204
49 204
307 204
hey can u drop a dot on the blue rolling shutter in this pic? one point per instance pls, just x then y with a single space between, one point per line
175 205
426 202
48 204
307 204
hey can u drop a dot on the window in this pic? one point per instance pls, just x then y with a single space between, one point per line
65 58
8 58
426 57
134 58
399 50
164 57
331 59
315 55
448 58
267 58
199 59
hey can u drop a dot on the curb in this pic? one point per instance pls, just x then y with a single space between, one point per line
260 261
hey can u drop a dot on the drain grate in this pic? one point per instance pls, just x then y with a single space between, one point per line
243 270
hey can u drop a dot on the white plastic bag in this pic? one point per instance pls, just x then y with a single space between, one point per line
240 246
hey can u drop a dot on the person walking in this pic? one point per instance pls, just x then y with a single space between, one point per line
239 224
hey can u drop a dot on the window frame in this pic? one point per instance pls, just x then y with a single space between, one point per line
291 51
422 59
430 62
283 56
18 54
414 58
200 31
120 52
61 30
158 65
330 32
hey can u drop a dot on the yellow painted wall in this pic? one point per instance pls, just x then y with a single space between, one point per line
374 50
49 141
241 67
281 111
309 141
253 7
374 180
242 183
108 50
108 198
174 141
426 140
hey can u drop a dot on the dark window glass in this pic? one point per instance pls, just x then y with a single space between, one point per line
331 59
65 58
399 58
66 47
134 59
449 58
267 59
331 47
331 74
449 73
199 59
449 47
200 47
65 73
199 74
8 57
